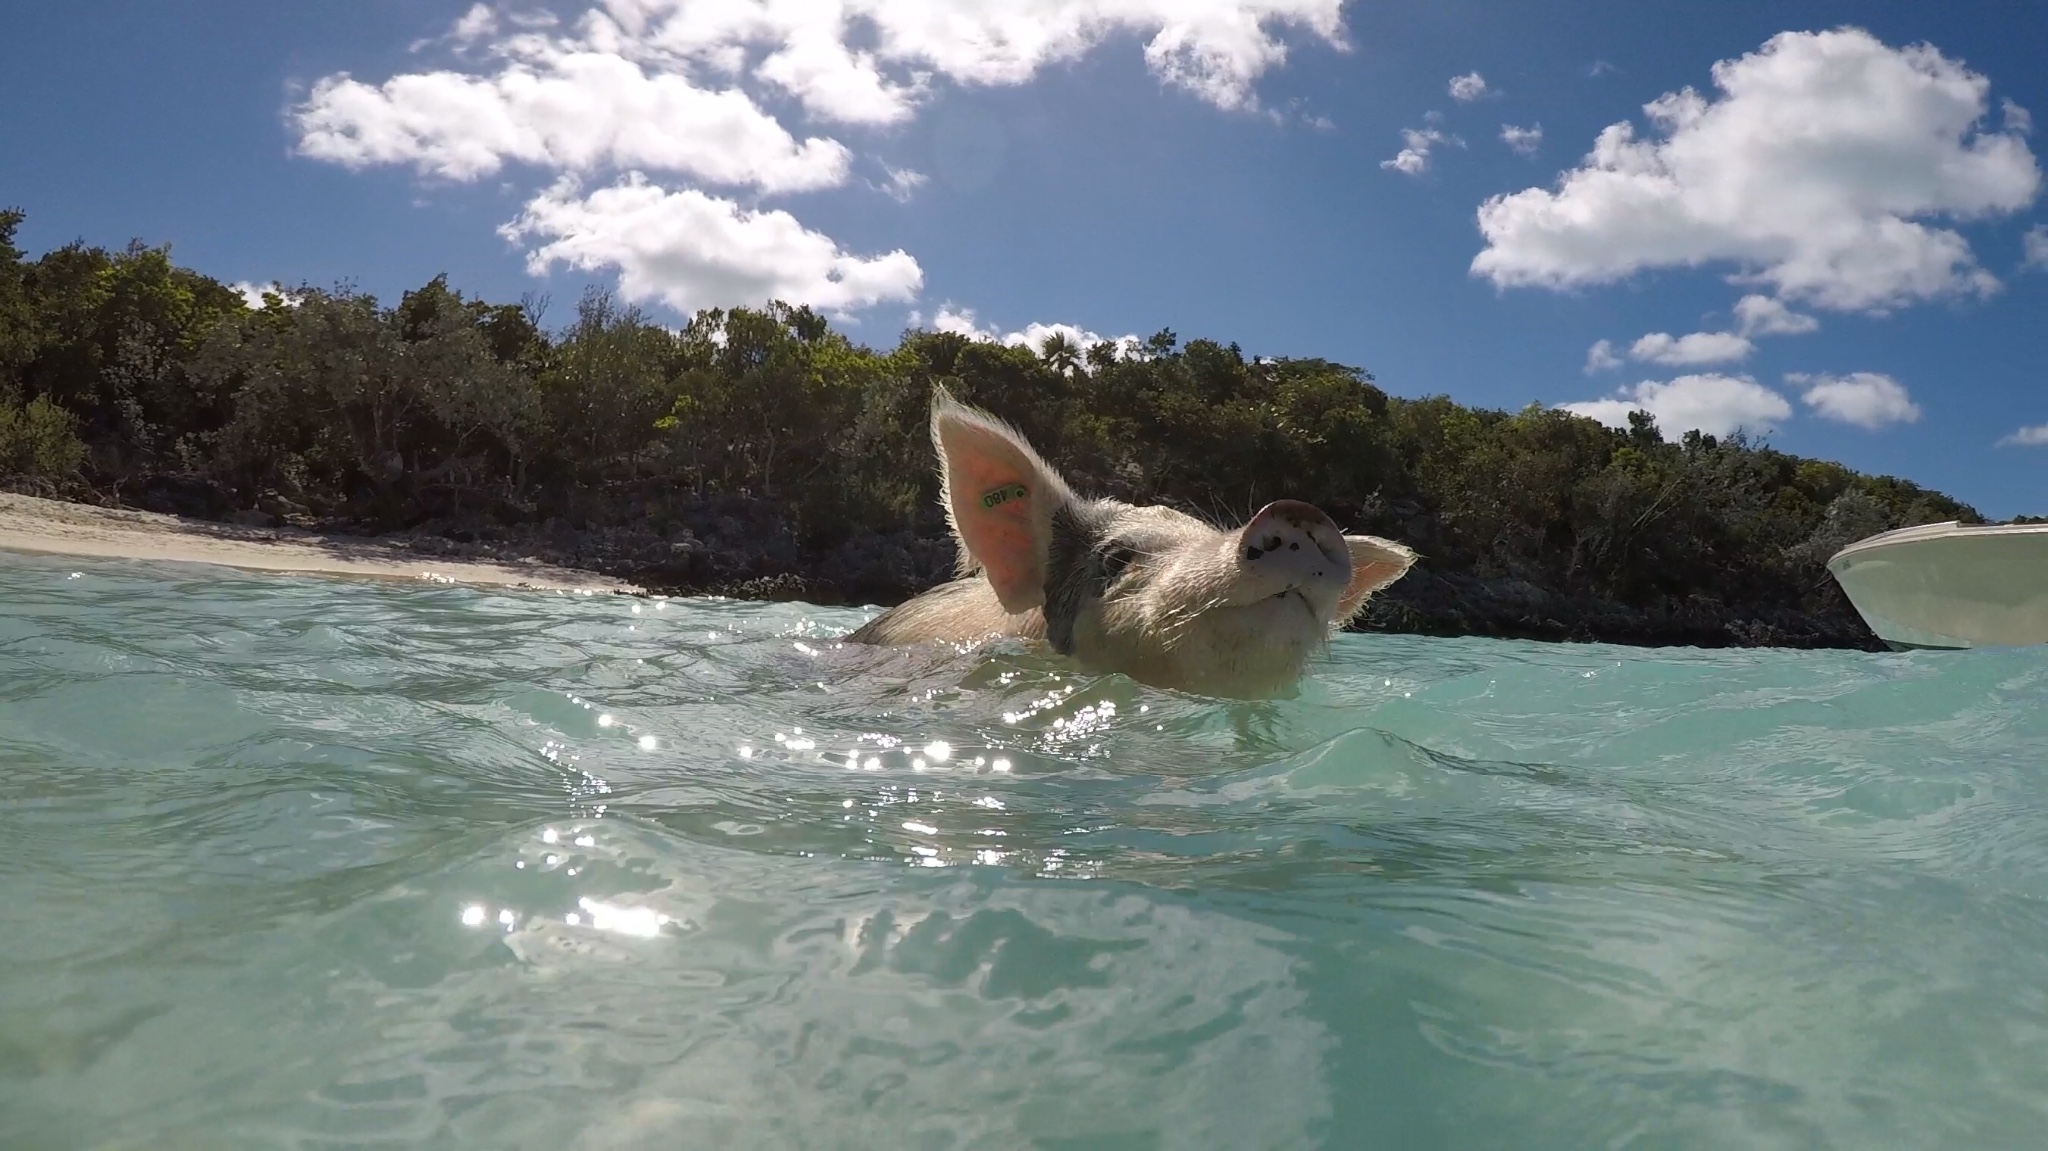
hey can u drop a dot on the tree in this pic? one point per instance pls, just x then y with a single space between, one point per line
17 311
124 371
1060 354
38 440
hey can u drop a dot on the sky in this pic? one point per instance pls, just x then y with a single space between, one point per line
1820 222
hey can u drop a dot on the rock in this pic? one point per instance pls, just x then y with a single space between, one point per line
746 547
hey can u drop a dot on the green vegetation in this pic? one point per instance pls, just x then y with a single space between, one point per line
38 440
762 446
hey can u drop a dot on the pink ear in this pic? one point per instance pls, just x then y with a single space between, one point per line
1375 563
1000 498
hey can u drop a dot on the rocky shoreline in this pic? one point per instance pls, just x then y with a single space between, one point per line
745 551
745 548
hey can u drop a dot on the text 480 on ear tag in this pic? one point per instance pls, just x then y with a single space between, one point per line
1003 495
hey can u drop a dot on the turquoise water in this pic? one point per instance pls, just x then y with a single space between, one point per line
321 864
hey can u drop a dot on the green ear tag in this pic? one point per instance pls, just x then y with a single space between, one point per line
1003 495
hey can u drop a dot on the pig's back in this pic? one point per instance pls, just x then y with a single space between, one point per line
963 611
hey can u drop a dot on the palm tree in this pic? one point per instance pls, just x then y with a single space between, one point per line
1060 354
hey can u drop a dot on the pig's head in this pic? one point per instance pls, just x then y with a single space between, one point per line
1148 591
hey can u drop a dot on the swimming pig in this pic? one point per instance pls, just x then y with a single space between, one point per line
1147 591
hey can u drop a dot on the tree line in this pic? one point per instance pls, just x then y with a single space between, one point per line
126 378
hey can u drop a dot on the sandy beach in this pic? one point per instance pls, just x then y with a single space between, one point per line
53 527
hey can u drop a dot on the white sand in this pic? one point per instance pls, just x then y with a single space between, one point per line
28 524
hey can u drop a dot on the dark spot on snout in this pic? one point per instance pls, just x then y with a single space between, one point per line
1294 547
1253 552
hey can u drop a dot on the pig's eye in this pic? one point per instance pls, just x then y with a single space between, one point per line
1115 558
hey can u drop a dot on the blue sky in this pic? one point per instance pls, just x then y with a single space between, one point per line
1865 174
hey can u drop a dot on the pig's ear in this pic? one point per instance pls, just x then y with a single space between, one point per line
1375 563
1000 498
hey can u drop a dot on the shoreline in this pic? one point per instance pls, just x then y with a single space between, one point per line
741 548
41 526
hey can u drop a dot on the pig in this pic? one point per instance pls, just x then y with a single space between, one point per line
1150 592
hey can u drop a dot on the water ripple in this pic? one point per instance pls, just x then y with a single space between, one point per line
310 863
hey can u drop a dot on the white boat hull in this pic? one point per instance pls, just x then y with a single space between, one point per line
1950 585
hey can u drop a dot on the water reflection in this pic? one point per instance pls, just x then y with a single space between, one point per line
378 871
950 1016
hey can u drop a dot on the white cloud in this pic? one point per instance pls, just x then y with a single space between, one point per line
1713 403
570 111
1866 399
1216 49
1764 316
692 251
1811 172
2034 246
1413 160
2016 118
2028 437
693 90
476 25
473 27
1601 357
252 294
960 321
1522 141
904 183
1469 87
1758 315
1691 350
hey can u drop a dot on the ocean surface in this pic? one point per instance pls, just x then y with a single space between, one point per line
320 864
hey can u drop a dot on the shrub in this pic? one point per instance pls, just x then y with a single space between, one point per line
39 439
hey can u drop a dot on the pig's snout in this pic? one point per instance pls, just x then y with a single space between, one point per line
1291 546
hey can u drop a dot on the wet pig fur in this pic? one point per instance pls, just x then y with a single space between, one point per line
1150 592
